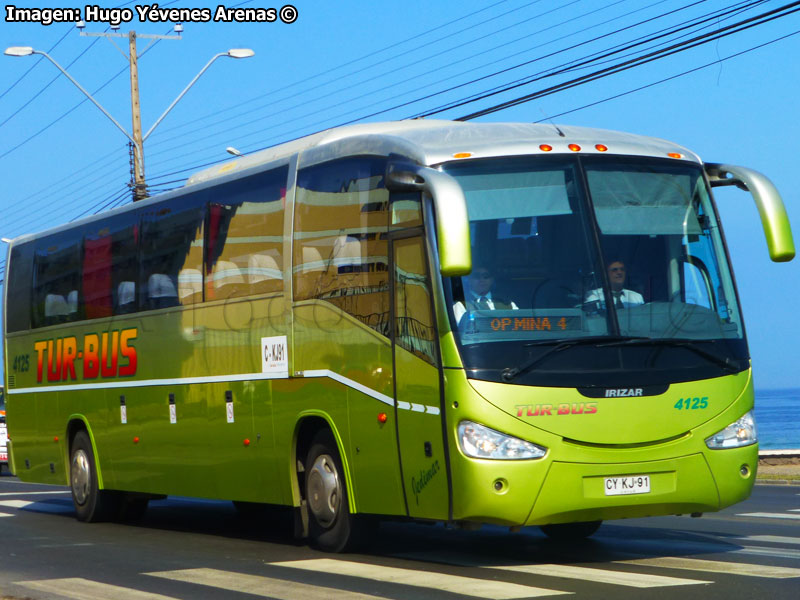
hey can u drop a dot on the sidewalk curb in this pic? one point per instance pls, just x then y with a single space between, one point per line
786 482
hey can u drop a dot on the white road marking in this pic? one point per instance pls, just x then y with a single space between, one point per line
770 539
715 566
469 586
265 587
767 515
637 580
31 493
15 503
6 515
78 588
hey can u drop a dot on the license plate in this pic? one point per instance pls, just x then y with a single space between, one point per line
630 484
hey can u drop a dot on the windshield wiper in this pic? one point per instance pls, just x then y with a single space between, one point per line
688 343
510 373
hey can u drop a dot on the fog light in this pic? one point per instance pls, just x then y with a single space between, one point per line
500 486
745 471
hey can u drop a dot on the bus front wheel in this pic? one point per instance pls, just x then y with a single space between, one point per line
331 527
91 503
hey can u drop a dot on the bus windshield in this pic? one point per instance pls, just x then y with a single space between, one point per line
595 267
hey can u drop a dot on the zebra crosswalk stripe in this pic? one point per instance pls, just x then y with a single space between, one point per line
469 586
715 566
637 580
256 585
78 588
15 503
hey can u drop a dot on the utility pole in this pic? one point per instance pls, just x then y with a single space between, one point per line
139 186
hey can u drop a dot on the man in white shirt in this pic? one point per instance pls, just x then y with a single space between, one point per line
623 298
479 294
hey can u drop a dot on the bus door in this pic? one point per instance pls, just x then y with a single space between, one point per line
418 410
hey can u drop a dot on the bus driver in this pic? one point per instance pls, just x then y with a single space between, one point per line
479 294
622 297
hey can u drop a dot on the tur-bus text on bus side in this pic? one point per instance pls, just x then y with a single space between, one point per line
108 354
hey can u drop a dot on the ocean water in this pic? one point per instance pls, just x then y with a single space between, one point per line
778 419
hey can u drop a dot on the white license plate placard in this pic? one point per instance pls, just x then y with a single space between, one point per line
626 484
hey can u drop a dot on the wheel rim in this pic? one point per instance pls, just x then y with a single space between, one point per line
81 477
324 490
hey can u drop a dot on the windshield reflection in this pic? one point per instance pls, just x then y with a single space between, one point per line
554 238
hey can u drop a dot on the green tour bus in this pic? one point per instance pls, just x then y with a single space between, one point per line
398 320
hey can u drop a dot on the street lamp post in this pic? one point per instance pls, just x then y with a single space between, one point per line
140 190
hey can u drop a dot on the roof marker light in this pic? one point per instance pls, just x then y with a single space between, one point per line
674 155
545 148
574 147
601 147
462 154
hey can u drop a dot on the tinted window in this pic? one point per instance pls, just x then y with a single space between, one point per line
171 255
18 280
244 251
56 294
110 266
340 245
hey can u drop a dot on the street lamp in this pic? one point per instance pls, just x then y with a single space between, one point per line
138 144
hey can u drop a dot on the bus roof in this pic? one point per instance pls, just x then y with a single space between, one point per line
431 142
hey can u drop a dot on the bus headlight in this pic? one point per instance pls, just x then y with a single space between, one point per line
479 441
741 432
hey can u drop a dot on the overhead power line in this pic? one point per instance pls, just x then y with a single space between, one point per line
635 62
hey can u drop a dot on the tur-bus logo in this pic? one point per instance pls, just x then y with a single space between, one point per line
109 354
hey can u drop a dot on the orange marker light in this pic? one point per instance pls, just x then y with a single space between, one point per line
136 440
55 439
601 148
382 418
574 147
546 148
246 442
675 155
462 154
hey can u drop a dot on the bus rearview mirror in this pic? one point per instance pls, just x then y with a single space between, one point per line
774 219
450 206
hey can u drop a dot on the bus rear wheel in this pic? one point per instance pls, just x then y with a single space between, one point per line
571 531
91 503
331 527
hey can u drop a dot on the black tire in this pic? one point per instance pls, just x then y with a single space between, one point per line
331 527
571 531
91 503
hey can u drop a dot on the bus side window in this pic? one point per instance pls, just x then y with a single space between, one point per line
172 241
110 266
56 294
244 244
413 327
19 282
340 244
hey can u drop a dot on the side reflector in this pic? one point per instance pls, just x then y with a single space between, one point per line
382 417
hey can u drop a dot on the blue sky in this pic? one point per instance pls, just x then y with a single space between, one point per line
343 60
